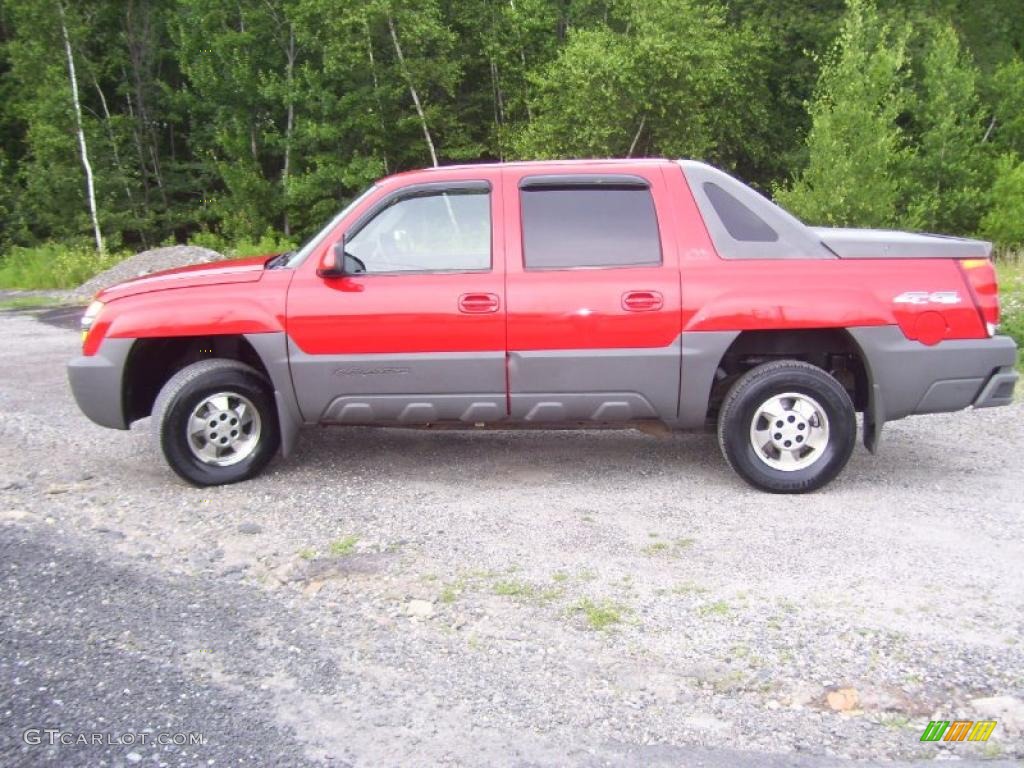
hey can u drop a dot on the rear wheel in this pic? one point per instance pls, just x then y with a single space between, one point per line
787 427
216 423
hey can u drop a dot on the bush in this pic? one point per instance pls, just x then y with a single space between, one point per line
270 242
53 265
1004 223
1011 295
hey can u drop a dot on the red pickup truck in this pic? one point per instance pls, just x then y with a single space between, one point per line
564 294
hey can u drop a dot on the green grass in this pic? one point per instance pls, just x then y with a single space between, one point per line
345 546
513 588
663 547
657 548
1011 299
688 588
521 590
449 594
52 266
56 266
599 615
717 608
271 242
32 302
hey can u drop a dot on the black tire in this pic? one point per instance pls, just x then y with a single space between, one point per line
184 391
740 409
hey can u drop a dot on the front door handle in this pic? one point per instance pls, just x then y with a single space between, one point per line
642 301
478 303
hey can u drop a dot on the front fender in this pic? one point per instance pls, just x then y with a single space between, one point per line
214 311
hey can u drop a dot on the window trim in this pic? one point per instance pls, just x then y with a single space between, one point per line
574 180
427 189
589 182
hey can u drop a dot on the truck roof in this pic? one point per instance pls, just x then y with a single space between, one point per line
537 163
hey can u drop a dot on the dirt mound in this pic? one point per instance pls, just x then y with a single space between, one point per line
146 262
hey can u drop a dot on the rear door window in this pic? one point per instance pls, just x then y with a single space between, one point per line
572 226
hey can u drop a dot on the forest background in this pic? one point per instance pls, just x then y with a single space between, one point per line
244 125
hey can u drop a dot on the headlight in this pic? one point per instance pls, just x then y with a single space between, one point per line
91 313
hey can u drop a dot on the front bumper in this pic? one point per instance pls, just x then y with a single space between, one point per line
97 383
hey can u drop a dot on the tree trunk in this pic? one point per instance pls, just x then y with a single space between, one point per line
113 144
138 41
83 149
412 91
636 137
988 131
376 88
289 126
499 108
137 139
522 59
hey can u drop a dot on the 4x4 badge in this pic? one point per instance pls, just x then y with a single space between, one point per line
926 297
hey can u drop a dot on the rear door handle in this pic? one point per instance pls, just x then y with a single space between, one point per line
642 301
478 303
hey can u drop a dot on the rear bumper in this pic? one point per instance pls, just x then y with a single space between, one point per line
998 390
97 383
908 377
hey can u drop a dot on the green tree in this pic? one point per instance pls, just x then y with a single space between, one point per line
662 77
948 173
587 102
55 193
233 55
856 148
793 36
1004 222
1006 127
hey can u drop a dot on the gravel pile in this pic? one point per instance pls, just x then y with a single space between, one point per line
144 263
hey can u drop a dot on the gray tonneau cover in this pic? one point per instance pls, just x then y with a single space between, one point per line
890 244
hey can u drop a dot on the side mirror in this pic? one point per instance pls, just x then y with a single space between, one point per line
333 263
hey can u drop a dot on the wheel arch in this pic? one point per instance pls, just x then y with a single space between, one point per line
151 362
834 350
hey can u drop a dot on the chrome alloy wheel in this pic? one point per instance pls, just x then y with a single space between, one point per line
223 429
789 431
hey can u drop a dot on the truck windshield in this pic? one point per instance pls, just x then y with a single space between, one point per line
299 256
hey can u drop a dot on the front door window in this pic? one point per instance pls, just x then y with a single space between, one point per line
437 232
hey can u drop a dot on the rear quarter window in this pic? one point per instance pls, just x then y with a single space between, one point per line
739 221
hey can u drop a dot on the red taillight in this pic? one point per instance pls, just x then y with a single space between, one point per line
981 279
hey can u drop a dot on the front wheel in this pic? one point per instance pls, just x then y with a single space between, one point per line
216 422
787 427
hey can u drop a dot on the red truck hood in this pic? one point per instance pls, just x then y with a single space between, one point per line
219 272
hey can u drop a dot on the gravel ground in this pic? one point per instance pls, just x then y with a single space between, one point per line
488 598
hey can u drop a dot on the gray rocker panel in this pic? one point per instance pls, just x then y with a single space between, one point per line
326 384
595 384
599 407
413 409
671 384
